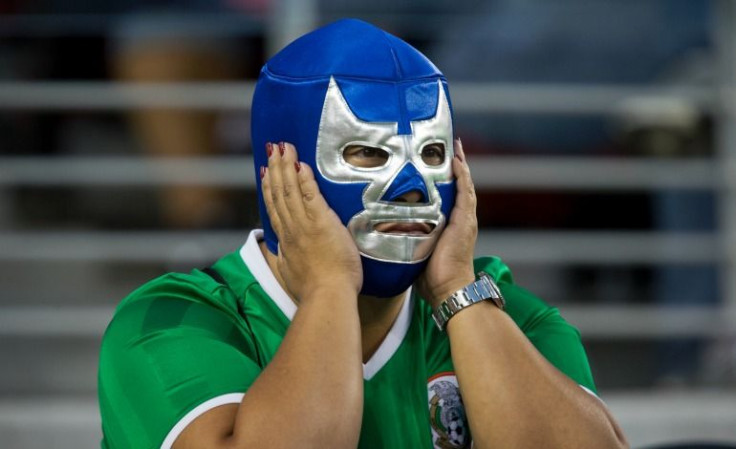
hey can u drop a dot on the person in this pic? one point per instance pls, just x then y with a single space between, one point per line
354 318
183 41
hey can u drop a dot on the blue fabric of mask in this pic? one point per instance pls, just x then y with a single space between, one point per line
383 79
408 180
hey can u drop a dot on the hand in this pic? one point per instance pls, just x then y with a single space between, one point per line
315 250
450 267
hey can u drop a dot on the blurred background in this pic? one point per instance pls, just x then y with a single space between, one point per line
601 136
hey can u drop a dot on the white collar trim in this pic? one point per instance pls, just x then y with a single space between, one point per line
393 339
256 263
251 254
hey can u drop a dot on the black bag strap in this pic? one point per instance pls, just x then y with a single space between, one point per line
214 274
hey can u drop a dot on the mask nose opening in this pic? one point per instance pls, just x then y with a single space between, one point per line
412 196
407 187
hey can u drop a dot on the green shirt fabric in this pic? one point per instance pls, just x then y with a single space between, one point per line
185 343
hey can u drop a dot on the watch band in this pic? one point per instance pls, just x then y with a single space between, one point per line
484 289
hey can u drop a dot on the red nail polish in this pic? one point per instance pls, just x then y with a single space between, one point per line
268 149
282 148
298 166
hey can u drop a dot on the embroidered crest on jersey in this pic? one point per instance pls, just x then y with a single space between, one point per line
449 424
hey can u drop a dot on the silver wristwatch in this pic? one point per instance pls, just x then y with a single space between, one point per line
484 289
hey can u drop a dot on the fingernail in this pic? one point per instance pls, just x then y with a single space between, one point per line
282 148
457 152
298 166
268 149
263 172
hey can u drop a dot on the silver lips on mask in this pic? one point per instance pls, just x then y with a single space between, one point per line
340 128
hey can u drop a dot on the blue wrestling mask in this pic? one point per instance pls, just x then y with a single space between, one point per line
350 92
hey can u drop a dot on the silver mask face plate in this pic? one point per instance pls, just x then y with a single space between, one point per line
340 128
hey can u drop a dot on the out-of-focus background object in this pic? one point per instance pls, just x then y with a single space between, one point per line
601 136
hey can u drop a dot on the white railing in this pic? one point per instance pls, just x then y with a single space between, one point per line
489 172
517 247
595 322
466 97
648 418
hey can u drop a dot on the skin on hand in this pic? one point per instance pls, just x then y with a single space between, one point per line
315 250
450 267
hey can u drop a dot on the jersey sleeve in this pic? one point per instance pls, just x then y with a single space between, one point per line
556 339
162 358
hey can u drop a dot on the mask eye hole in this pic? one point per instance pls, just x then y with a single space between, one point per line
433 154
363 156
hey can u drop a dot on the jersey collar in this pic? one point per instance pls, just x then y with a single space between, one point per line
256 263
253 258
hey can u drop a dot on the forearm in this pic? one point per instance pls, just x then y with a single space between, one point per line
311 394
514 397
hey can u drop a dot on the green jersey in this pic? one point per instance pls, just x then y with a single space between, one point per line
183 344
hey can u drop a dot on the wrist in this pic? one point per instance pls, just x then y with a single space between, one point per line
482 290
340 290
440 293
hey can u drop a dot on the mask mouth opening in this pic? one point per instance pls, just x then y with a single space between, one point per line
418 228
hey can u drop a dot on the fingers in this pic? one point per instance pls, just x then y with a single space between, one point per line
281 189
284 160
312 200
268 196
465 199
459 150
283 185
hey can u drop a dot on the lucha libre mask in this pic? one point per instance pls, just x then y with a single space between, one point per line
404 171
351 85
